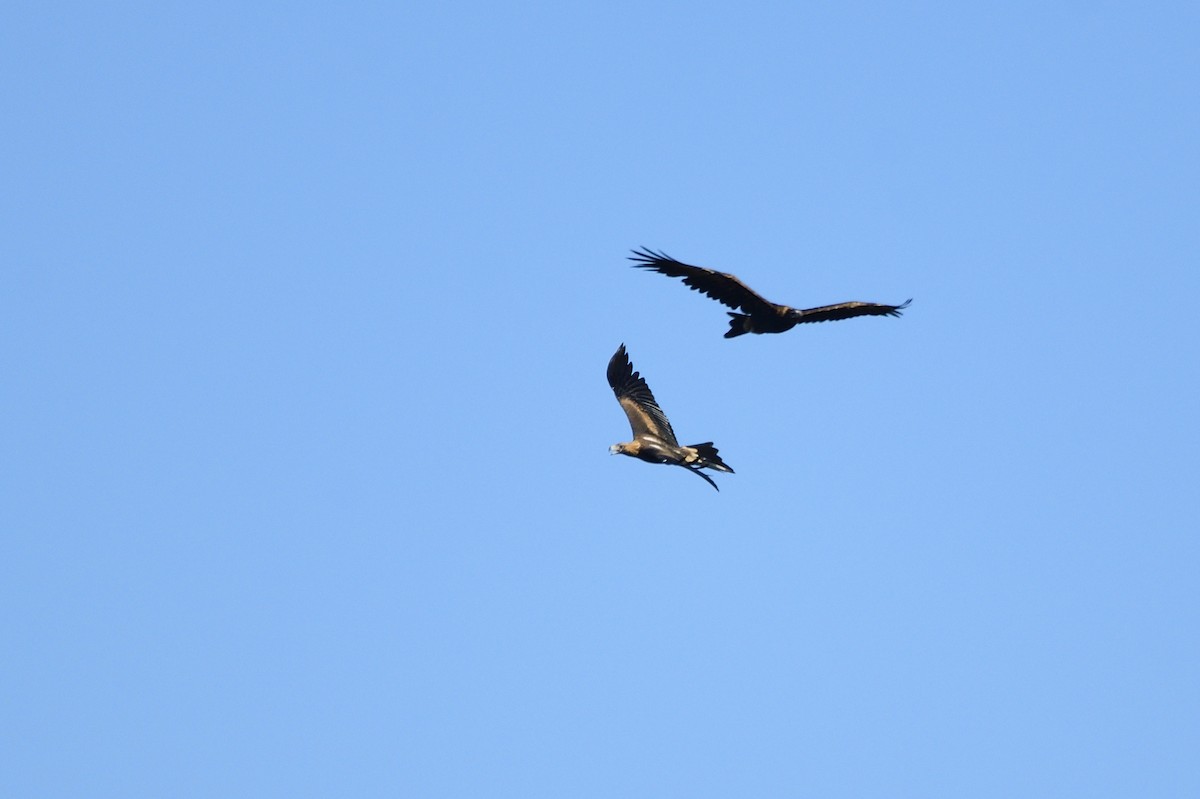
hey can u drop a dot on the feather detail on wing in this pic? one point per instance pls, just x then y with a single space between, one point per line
724 288
645 417
846 310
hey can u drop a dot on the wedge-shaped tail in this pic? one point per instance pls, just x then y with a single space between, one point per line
709 457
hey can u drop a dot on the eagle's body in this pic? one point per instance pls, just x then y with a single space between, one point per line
653 439
758 314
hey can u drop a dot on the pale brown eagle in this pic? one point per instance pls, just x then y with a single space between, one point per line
653 439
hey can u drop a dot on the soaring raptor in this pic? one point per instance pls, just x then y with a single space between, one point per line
758 315
653 439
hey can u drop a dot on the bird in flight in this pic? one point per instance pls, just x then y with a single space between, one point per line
653 439
758 315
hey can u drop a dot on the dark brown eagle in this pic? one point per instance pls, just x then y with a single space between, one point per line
653 439
758 315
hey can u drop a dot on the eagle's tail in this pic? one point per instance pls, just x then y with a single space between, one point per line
737 325
709 457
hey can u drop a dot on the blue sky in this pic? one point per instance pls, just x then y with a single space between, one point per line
305 321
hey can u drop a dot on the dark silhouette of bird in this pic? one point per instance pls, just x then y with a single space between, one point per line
653 439
758 315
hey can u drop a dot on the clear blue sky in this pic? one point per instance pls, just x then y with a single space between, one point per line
305 317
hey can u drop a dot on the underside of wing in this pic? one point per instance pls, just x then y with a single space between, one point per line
847 310
645 417
724 288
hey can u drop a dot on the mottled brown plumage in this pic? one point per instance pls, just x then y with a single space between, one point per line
758 315
653 439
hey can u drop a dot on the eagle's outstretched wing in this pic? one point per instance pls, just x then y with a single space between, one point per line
847 310
724 288
634 395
